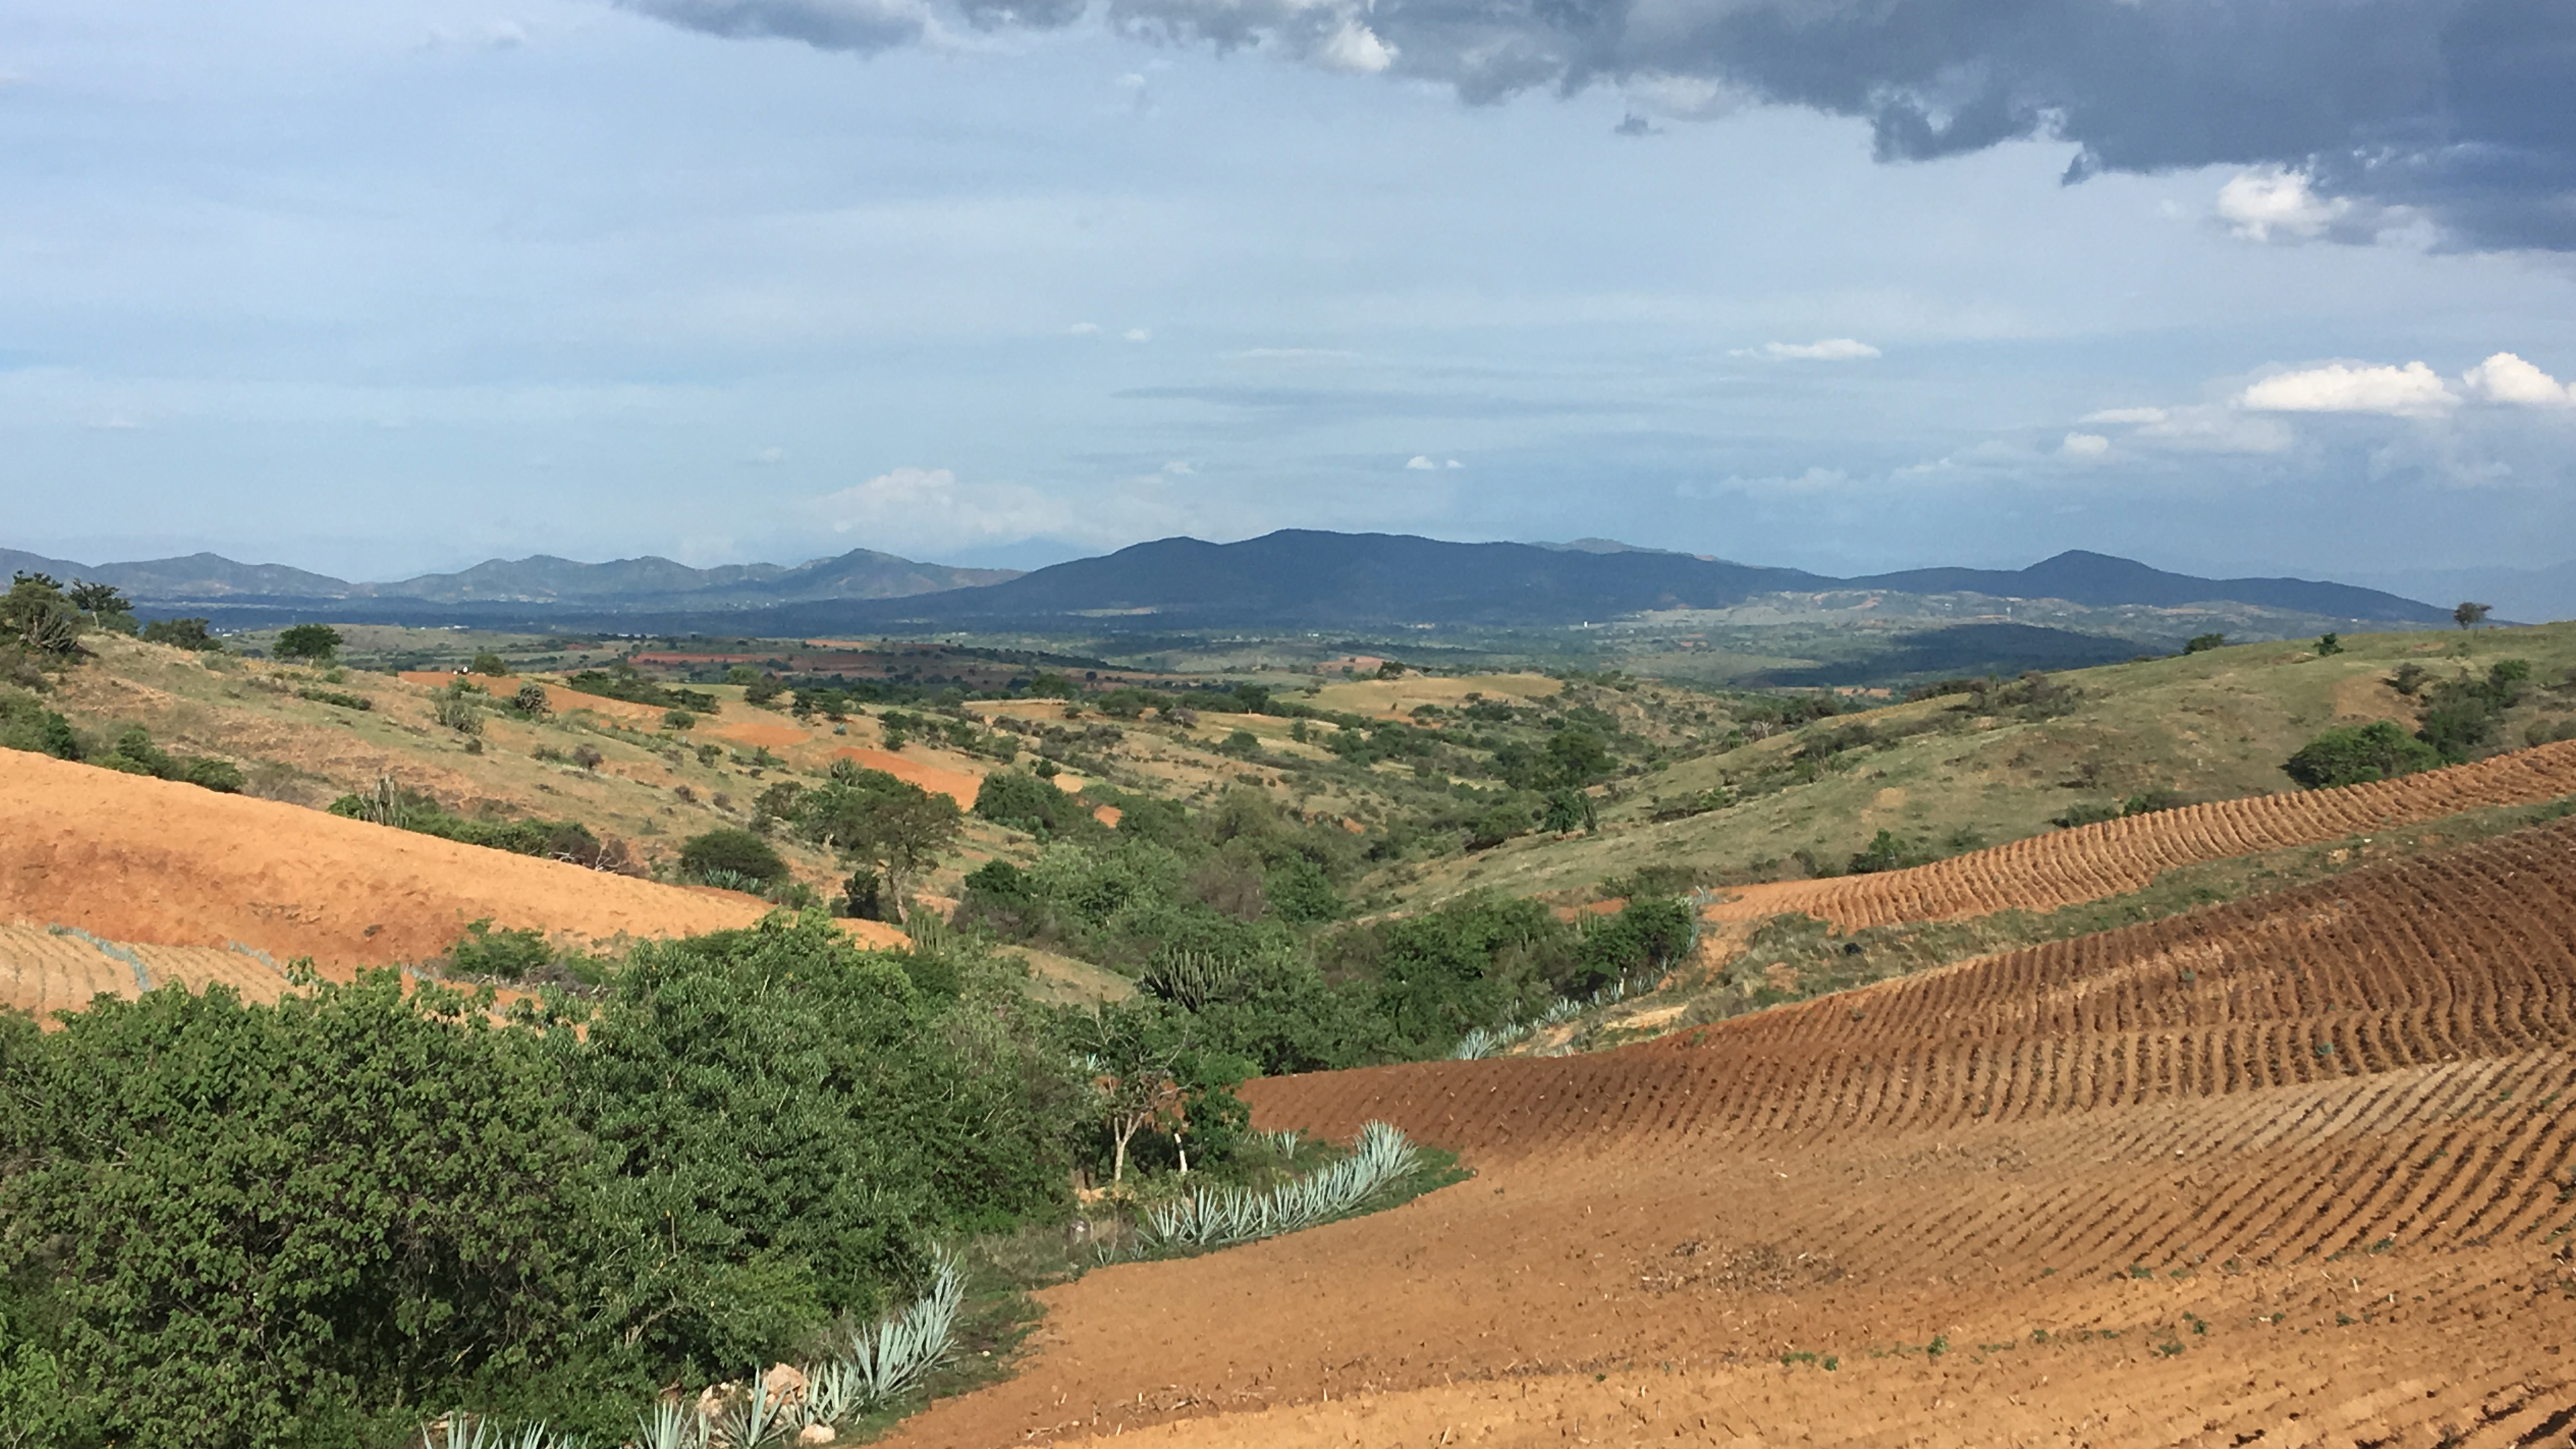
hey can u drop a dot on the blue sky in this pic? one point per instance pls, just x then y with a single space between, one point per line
377 290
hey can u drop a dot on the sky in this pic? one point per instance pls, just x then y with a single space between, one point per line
2233 286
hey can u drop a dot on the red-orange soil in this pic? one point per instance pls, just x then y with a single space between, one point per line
2293 1171
2119 856
153 861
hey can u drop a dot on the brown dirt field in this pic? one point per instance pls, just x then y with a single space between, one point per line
134 859
2118 856
2297 1170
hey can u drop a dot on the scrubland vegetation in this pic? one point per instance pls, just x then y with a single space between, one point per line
332 1219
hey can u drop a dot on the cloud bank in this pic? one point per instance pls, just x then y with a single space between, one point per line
2345 114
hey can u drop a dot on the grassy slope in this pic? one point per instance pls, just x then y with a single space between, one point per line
2211 725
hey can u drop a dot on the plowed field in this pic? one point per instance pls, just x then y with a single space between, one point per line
134 859
44 971
2119 856
2298 1170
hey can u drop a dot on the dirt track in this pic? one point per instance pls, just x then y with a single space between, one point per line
152 861
2291 1171
2118 856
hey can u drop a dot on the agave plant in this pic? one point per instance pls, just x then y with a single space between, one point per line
1380 1156
756 1418
461 1430
671 1426
901 1349
726 879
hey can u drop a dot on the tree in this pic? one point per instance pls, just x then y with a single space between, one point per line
36 613
2359 754
2469 616
491 665
314 642
1130 1050
2203 643
871 818
2329 644
98 601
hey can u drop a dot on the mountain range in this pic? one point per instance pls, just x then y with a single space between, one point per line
1294 578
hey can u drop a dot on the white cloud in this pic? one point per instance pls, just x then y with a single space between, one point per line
2271 204
1420 464
1831 349
928 508
1137 334
1178 468
2208 429
1083 329
2085 445
1356 49
768 457
2505 378
2414 390
1814 480
1293 354
2125 416
1453 463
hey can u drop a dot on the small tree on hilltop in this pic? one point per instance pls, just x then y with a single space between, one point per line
873 819
2203 643
313 642
2329 644
36 613
2469 616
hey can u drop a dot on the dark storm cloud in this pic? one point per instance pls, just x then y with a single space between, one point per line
2463 110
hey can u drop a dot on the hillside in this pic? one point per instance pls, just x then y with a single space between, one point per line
1947 774
2290 1163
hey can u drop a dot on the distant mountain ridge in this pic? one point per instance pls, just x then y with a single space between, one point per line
1294 578
648 582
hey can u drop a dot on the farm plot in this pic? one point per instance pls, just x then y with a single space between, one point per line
2300 1169
144 860
2119 856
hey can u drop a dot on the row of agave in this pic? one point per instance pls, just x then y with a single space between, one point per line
1486 1041
880 1362
1381 1157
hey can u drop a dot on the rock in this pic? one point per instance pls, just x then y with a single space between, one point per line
816 1434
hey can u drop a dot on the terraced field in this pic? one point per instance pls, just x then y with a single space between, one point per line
2297 1170
2118 856
45 970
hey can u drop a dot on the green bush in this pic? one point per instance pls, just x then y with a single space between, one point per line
25 724
490 665
2328 644
2463 716
530 701
2359 754
410 810
191 634
1022 801
508 955
2203 643
38 617
261 1225
731 848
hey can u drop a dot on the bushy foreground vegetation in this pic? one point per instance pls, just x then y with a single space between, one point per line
2459 719
328 1221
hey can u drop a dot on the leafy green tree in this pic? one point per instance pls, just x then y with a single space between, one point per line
731 848
490 665
2203 643
107 607
2469 616
312 642
2359 754
1022 801
2464 716
871 818
2329 643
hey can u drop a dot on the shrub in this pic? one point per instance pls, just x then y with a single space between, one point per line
25 724
39 617
315 642
490 665
2359 754
2462 716
2329 644
1242 744
249 1224
1885 852
2203 643
1023 801
678 719
191 634
2469 616
509 955
341 698
732 849
530 701
762 691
